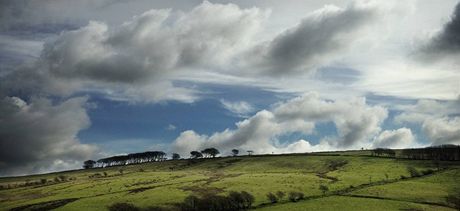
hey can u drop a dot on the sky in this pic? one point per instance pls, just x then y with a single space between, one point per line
89 79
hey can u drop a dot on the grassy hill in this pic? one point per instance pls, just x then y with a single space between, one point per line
354 181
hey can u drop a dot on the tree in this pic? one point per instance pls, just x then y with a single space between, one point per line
272 198
175 156
210 152
235 152
89 164
280 195
195 154
250 152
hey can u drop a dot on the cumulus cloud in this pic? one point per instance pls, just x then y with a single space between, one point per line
143 53
355 121
318 37
240 108
41 136
442 130
439 120
400 138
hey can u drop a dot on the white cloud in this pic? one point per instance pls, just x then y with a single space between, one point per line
400 138
357 123
438 119
171 127
240 108
36 135
442 130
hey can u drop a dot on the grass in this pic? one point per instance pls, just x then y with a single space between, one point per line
359 182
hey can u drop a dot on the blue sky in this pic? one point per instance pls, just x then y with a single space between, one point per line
112 77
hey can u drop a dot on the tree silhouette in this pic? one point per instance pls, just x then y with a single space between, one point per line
175 156
235 152
195 154
250 152
89 164
210 152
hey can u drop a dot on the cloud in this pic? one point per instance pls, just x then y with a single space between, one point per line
439 120
41 136
240 108
355 120
442 130
142 54
357 123
316 39
400 138
171 127
446 43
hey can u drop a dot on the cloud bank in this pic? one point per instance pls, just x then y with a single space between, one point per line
357 123
41 136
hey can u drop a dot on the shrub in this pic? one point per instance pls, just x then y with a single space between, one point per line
427 172
280 194
56 179
272 198
248 199
105 174
323 189
413 172
141 170
295 196
403 177
120 171
43 180
123 207
234 201
62 177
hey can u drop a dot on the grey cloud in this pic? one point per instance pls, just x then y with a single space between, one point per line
318 36
141 54
447 41
39 136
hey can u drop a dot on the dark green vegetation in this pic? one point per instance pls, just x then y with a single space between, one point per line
352 180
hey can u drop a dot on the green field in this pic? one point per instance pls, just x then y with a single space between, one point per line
355 181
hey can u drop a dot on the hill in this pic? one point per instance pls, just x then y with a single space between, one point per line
328 181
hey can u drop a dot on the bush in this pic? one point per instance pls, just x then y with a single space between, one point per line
413 172
234 201
280 195
403 177
43 180
295 196
141 170
105 174
63 177
427 172
123 207
323 189
120 171
272 198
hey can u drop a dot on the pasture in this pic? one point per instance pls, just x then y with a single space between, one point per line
328 181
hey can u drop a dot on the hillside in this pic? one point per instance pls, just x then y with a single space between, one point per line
349 181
